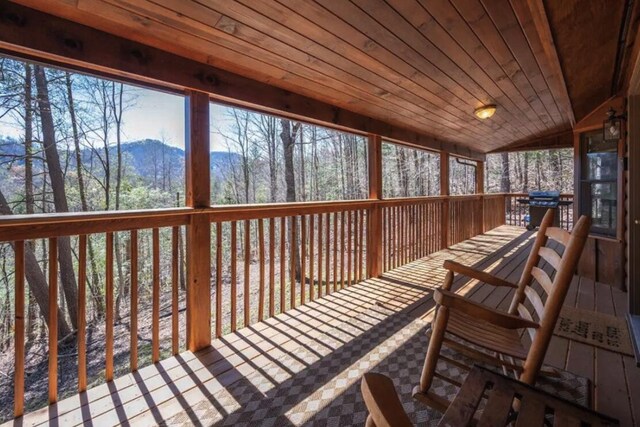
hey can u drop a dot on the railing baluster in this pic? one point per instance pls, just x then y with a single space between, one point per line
292 247
218 279
385 239
320 215
335 251
328 255
82 313
234 275
360 255
283 236
133 356
303 258
18 376
53 320
396 237
312 283
349 243
174 292
155 309
356 244
262 276
272 263
342 244
247 273
108 373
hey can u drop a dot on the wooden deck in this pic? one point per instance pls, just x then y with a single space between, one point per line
157 394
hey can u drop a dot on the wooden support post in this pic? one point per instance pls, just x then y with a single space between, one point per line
374 218
199 229
480 190
480 178
444 191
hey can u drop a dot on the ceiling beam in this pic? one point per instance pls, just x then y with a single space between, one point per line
34 35
562 139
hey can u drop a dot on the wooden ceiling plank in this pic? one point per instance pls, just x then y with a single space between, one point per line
586 35
241 33
481 24
392 28
442 51
316 81
450 90
426 24
453 23
41 37
505 20
350 59
350 35
325 59
534 22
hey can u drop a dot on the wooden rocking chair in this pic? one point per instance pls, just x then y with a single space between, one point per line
469 327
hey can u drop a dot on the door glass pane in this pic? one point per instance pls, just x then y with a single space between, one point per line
601 158
603 206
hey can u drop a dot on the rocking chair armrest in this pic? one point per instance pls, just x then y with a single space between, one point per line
499 318
477 274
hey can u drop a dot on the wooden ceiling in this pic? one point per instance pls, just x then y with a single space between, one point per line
587 43
423 65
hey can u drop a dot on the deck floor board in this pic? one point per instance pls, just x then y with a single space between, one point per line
156 393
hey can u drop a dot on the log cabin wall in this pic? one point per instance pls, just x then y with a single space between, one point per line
604 257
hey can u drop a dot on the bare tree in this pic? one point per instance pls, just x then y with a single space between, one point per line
67 274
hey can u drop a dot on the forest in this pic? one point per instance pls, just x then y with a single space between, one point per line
66 146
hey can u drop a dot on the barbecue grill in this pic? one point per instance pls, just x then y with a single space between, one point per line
539 202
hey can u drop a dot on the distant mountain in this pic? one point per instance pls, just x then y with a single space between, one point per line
145 153
10 148
143 158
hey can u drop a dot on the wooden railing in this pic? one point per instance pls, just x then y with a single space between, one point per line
411 229
516 213
265 260
303 251
76 230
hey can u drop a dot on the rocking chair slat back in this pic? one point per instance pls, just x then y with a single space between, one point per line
556 289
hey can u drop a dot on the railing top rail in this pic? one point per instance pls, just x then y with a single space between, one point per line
26 227
219 213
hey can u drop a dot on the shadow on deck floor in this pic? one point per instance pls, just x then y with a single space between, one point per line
304 366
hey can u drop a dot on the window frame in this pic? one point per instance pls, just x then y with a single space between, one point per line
586 185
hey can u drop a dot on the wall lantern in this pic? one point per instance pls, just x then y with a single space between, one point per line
485 111
612 126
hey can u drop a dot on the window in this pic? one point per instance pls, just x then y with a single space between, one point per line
462 176
598 182
409 172
101 144
260 158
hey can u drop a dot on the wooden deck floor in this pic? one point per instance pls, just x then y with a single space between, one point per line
156 394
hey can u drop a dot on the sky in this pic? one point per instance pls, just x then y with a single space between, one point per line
156 115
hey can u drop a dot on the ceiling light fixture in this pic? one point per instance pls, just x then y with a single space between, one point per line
485 111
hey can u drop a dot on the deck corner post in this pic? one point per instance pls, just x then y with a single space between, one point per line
444 191
198 242
374 215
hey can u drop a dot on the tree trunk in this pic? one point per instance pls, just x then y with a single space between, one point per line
525 173
505 180
95 293
65 258
288 137
32 315
36 279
